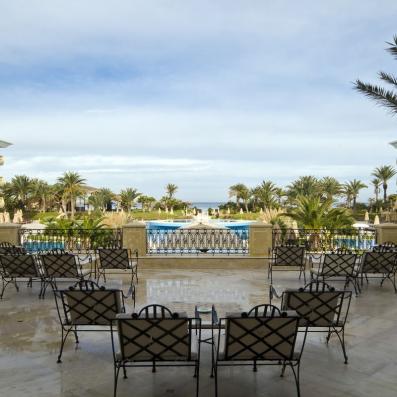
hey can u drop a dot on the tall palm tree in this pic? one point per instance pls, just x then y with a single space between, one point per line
352 190
20 188
376 182
266 195
330 187
170 190
127 198
304 186
43 192
241 192
72 184
384 173
382 96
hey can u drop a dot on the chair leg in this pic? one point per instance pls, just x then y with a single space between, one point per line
116 378
124 371
283 369
342 342
255 369
216 379
63 340
154 367
296 373
197 370
76 337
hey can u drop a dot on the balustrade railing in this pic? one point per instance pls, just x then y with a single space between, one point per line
326 240
34 240
198 241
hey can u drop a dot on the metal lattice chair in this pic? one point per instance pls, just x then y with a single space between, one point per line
287 258
263 336
117 259
86 307
155 337
9 249
321 308
380 265
62 267
22 266
337 267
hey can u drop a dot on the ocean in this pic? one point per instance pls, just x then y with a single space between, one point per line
205 205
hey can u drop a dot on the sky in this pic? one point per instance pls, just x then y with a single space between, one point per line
202 94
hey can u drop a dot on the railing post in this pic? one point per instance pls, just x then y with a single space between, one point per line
134 237
9 232
260 239
386 232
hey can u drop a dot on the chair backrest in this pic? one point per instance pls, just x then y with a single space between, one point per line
338 265
113 258
19 265
379 262
318 304
259 338
11 250
90 306
60 266
149 338
387 246
289 256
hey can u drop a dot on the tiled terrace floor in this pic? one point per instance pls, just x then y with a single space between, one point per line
30 334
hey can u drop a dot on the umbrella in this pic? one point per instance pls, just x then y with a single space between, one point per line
241 211
228 210
376 220
366 216
6 217
1 217
159 210
172 211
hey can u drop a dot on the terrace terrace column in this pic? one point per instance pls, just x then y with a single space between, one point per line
134 237
260 239
9 232
386 232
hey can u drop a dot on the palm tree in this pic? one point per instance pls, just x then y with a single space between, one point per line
330 187
304 186
101 199
311 212
72 184
241 192
376 182
147 202
352 190
43 192
127 198
382 96
384 173
266 195
20 189
170 190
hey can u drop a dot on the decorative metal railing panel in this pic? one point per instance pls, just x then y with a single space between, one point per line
36 240
326 240
198 241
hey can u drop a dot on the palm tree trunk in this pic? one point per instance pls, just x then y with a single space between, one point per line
385 192
72 203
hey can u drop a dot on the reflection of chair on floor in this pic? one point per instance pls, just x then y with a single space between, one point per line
287 258
23 266
321 308
62 267
263 336
111 259
337 267
86 307
156 337
387 246
380 265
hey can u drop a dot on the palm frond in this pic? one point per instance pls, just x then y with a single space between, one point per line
379 94
389 78
393 47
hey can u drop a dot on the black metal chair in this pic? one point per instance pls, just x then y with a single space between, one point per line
287 258
337 267
19 266
86 307
263 336
380 264
155 337
114 260
321 308
62 267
